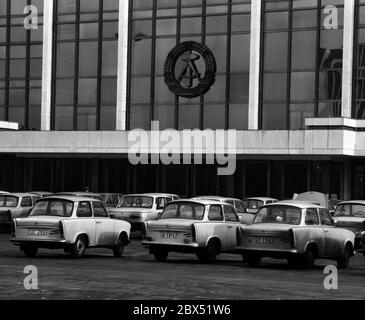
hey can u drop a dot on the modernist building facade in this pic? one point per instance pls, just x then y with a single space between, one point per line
287 75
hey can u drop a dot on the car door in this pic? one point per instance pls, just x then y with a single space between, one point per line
85 222
332 245
314 231
231 222
105 233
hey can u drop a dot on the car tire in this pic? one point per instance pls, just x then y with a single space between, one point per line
30 251
208 254
344 261
307 259
78 249
119 248
253 260
160 255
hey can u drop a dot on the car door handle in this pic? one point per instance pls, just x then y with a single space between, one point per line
230 227
98 222
326 231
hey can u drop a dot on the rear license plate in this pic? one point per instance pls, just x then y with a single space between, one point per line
264 241
34 232
169 235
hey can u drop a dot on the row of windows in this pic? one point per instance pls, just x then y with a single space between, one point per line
20 64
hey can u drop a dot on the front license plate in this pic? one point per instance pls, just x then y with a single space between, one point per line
265 241
37 232
169 235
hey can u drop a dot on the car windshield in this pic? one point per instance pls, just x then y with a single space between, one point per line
8 201
136 202
279 214
350 210
53 207
253 204
184 211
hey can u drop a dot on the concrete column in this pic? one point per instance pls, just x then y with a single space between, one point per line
47 65
253 105
348 47
121 112
347 181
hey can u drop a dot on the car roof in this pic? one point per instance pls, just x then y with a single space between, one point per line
353 202
197 201
78 194
161 194
295 203
69 198
216 198
149 195
260 198
22 194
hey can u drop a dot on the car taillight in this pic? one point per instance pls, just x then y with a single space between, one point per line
193 233
144 229
238 237
291 238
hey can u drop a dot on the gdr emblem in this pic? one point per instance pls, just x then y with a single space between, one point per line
190 69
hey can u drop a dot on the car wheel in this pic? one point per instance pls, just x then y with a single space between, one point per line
161 255
79 247
307 259
252 260
208 254
30 251
344 261
119 248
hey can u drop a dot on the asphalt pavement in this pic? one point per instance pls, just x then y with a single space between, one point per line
138 276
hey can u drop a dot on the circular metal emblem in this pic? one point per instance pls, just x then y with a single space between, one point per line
190 69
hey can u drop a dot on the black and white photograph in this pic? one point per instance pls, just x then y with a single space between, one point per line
201 152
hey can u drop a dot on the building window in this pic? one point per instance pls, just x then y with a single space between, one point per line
156 27
20 64
301 64
359 62
85 65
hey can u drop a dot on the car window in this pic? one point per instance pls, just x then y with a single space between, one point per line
183 210
311 218
325 217
26 202
239 206
161 203
215 213
53 207
99 210
230 214
8 201
279 214
84 210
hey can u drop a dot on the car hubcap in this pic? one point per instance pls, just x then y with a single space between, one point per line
80 246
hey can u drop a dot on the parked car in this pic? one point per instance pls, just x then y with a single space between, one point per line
243 215
70 223
297 231
15 205
351 215
83 194
111 200
138 208
253 204
204 227
41 194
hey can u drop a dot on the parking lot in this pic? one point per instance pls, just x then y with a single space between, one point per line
137 276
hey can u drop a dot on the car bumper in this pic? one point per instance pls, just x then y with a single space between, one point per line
183 247
269 252
48 244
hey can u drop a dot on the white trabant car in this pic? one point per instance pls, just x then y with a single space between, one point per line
297 231
243 215
138 208
70 223
204 227
351 215
253 204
